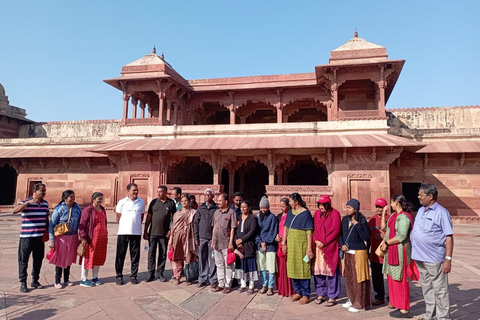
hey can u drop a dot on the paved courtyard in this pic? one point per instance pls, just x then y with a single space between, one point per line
157 300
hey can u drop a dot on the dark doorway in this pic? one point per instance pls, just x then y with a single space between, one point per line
306 173
191 171
410 191
8 187
225 181
256 177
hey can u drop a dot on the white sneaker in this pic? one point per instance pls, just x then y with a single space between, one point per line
347 304
352 309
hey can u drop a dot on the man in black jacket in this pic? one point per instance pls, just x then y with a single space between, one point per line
203 237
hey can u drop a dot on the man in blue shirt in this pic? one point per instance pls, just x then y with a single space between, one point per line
432 248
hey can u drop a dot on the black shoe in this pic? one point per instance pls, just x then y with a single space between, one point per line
133 280
119 281
161 278
400 315
23 287
35 284
201 284
150 278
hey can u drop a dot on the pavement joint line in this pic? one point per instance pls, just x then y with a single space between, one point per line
468 267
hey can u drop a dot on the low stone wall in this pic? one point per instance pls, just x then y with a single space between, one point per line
71 129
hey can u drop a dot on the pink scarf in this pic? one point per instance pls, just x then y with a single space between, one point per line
393 259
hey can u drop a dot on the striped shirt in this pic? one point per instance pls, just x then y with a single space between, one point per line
34 219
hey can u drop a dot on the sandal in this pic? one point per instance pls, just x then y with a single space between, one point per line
320 300
263 290
242 289
270 292
250 291
295 297
331 303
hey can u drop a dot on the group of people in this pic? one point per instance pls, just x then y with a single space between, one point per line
231 243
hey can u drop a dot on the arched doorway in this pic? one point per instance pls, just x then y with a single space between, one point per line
256 177
191 171
8 187
307 173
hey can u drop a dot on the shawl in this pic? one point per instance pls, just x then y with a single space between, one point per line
184 220
327 231
300 221
393 259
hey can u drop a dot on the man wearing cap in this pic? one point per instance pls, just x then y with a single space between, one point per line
203 237
376 238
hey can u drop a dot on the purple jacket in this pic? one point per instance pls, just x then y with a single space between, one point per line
87 223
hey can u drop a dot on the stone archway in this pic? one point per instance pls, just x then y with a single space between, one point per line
306 172
8 187
190 171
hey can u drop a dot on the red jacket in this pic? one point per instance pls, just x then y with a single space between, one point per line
87 223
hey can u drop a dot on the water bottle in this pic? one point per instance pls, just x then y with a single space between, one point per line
213 254
146 246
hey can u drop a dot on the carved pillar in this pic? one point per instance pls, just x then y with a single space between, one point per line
382 85
232 113
334 111
150 115
161 103
126 97
279 106
279 172
163 168
175 113
169 110
231 182
271 168
142 109
134 107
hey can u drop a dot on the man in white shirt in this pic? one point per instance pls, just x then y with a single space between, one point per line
130 211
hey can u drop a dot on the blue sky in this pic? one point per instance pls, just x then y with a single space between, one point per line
54 55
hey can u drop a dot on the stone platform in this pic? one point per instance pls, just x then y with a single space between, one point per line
157 300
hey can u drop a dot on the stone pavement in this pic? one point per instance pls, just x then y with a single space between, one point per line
157 300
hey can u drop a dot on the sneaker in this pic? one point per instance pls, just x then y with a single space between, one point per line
58 286
86 283
35 284
23 287
347 304
354 310
133 280
97 282
119 281
68 283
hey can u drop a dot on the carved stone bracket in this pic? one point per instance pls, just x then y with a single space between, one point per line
114 161
150 158
88 162
461 161
66 163
345 154
127 158
425 161
398 162
15 164
24 163
43 163
374 154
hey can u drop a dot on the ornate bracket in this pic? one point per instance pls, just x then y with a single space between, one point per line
88 162
43 163
66 163
425 161
374 154
461 161
345 155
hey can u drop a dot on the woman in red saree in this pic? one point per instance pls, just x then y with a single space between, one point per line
284 285
326 269
181 239
397 248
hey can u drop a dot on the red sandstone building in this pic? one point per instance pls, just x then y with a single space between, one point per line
325 132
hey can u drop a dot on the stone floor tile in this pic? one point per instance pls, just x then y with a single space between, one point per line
176 296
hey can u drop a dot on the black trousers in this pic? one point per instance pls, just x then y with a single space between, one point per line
58 274
160 243
377 280
27 246
123 242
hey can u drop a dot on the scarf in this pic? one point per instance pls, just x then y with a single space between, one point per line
393 259
327 231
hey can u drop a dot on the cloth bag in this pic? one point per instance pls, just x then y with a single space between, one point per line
231 257
170 253
191 271
412 271
379 252
81 249
64 227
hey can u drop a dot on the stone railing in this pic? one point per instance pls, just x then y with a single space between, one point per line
361 114
142 121
310 194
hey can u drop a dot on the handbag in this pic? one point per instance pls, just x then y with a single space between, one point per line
64 227
379 252
170 253
191 271
412 271
231 257
81 249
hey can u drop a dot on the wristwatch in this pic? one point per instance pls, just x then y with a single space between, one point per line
448 258
386 243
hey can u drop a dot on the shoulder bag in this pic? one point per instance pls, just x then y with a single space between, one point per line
64 227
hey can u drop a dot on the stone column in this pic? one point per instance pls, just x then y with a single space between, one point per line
163 169
231 182
279 172
126 97
241 173
279 106
232 113
175 113
271 168
334 89
382 85
142 109
134 107
150 115
169 110
161 103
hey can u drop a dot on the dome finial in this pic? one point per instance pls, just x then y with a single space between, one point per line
154 50
355 34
